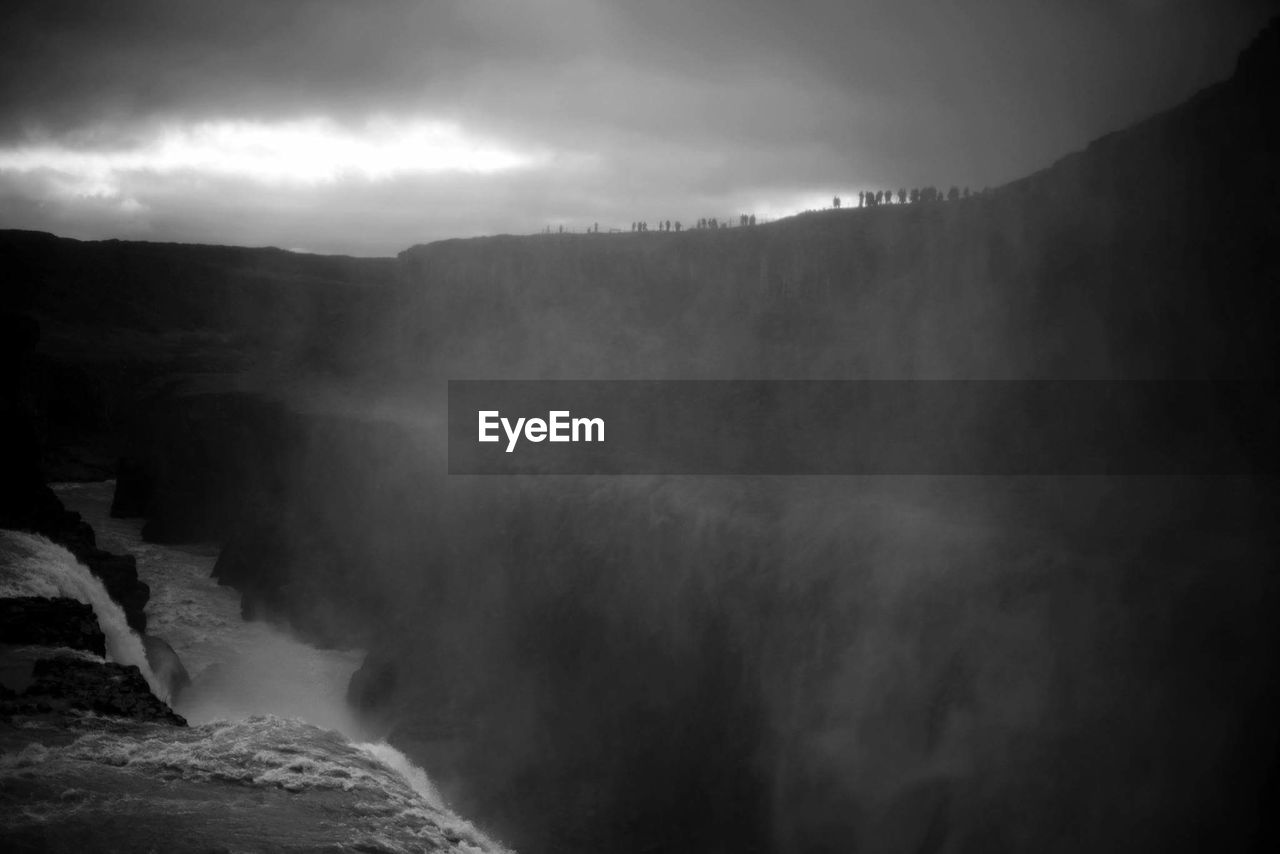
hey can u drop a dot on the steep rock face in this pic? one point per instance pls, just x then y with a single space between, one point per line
134 488
118 573
120 319
37 509
62 684
74 426
26 502
194 457
40 621
282 488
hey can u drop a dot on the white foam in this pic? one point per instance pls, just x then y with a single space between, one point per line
413 775
269 752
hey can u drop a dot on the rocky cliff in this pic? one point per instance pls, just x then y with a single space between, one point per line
118 320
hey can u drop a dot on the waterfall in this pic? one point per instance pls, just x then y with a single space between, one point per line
32 565
415 776
253 685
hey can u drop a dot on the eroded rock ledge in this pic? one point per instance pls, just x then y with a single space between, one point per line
67 684
41 621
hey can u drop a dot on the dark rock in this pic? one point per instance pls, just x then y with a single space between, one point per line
40 621
134 487
38 510
166 664
244 562
192 456
44 514
71 414
27 504
119 574
22 333
102 687
26 501
77 463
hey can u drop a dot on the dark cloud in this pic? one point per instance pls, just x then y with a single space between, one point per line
681 106
68 63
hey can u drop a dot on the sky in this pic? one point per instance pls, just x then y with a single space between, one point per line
366 126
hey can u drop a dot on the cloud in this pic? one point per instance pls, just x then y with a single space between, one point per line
290 152
584 109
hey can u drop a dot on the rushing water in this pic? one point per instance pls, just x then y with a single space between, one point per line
31 565
274 759
238 668
267 783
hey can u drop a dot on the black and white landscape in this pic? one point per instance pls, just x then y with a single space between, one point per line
244 605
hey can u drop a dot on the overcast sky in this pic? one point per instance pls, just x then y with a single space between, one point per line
365 126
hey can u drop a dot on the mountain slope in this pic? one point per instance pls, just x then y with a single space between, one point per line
1150 254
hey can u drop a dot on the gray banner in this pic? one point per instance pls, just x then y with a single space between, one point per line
862 427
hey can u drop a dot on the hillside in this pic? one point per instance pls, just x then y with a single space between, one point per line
266 297
117 320
1150 254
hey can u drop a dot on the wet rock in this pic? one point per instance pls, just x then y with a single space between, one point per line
119 574
41 621
26 502
117 690
134 486
166 664
36 508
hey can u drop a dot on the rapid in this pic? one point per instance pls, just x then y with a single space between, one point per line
273 759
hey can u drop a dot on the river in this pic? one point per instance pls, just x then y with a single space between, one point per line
274 758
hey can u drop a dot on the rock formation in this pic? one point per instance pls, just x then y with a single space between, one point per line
39 621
